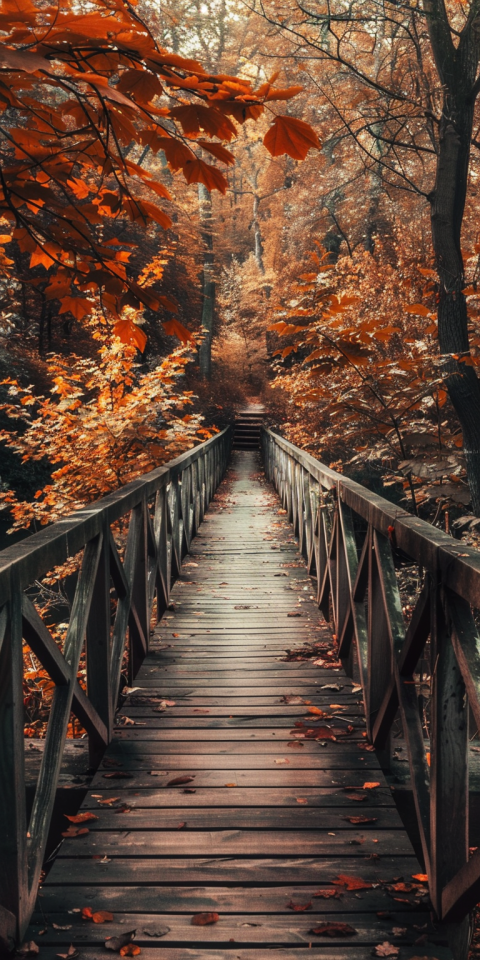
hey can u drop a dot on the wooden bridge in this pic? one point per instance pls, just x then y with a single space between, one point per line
239 809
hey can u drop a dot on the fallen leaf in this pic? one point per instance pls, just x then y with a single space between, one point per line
116 943
333 930
108 762
352 883
118 775
386 949
281 761
107 802
403 887
421 877
71 953
177 781
75 832
331 686
29 949
204 919
361 819
299 907
230 784
302 800
317 711
57 926
189 790
102 916
129 950
370 786
356 796
295 744
399 931
293 614
81 817
328 894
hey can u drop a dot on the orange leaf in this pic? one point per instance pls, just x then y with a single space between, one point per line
128 332
197 171
285 94
370 786
143 85
40 256
217 151
76 306
102 916
352 883
81 817
419 309
291 136
204 919
174 328
130 950
421 877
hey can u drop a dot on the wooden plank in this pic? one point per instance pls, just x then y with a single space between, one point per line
294 929
237 818
231 870
212 797
223 900
248 953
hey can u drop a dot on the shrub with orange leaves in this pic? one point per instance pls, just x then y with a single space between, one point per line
107 422
363 373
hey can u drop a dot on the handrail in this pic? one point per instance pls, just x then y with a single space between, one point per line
165 508
352 541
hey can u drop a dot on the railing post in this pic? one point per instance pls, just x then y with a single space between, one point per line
380 654
98 648
139 621
13 823
449 761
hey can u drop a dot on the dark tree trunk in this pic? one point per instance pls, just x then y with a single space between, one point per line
457 71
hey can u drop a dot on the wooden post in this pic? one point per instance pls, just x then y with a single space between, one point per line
449 762
13 823
140 617
380 654
98 647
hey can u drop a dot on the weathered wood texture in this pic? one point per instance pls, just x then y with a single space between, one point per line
111 613
261 828
354 542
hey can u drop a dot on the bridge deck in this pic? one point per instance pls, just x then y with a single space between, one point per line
259 830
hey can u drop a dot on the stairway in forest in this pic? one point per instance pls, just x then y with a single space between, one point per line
248 423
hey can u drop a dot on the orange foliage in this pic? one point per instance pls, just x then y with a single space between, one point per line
81 89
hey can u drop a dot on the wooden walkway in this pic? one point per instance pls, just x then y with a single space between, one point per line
260 826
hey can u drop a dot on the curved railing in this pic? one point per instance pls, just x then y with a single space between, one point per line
353 542
111 612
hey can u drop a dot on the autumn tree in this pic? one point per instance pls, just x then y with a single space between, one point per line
402 81
85 93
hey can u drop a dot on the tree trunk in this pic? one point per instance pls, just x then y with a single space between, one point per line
208 303
448 203
257 235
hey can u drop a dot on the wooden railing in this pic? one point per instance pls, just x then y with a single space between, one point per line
111 613
353 542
